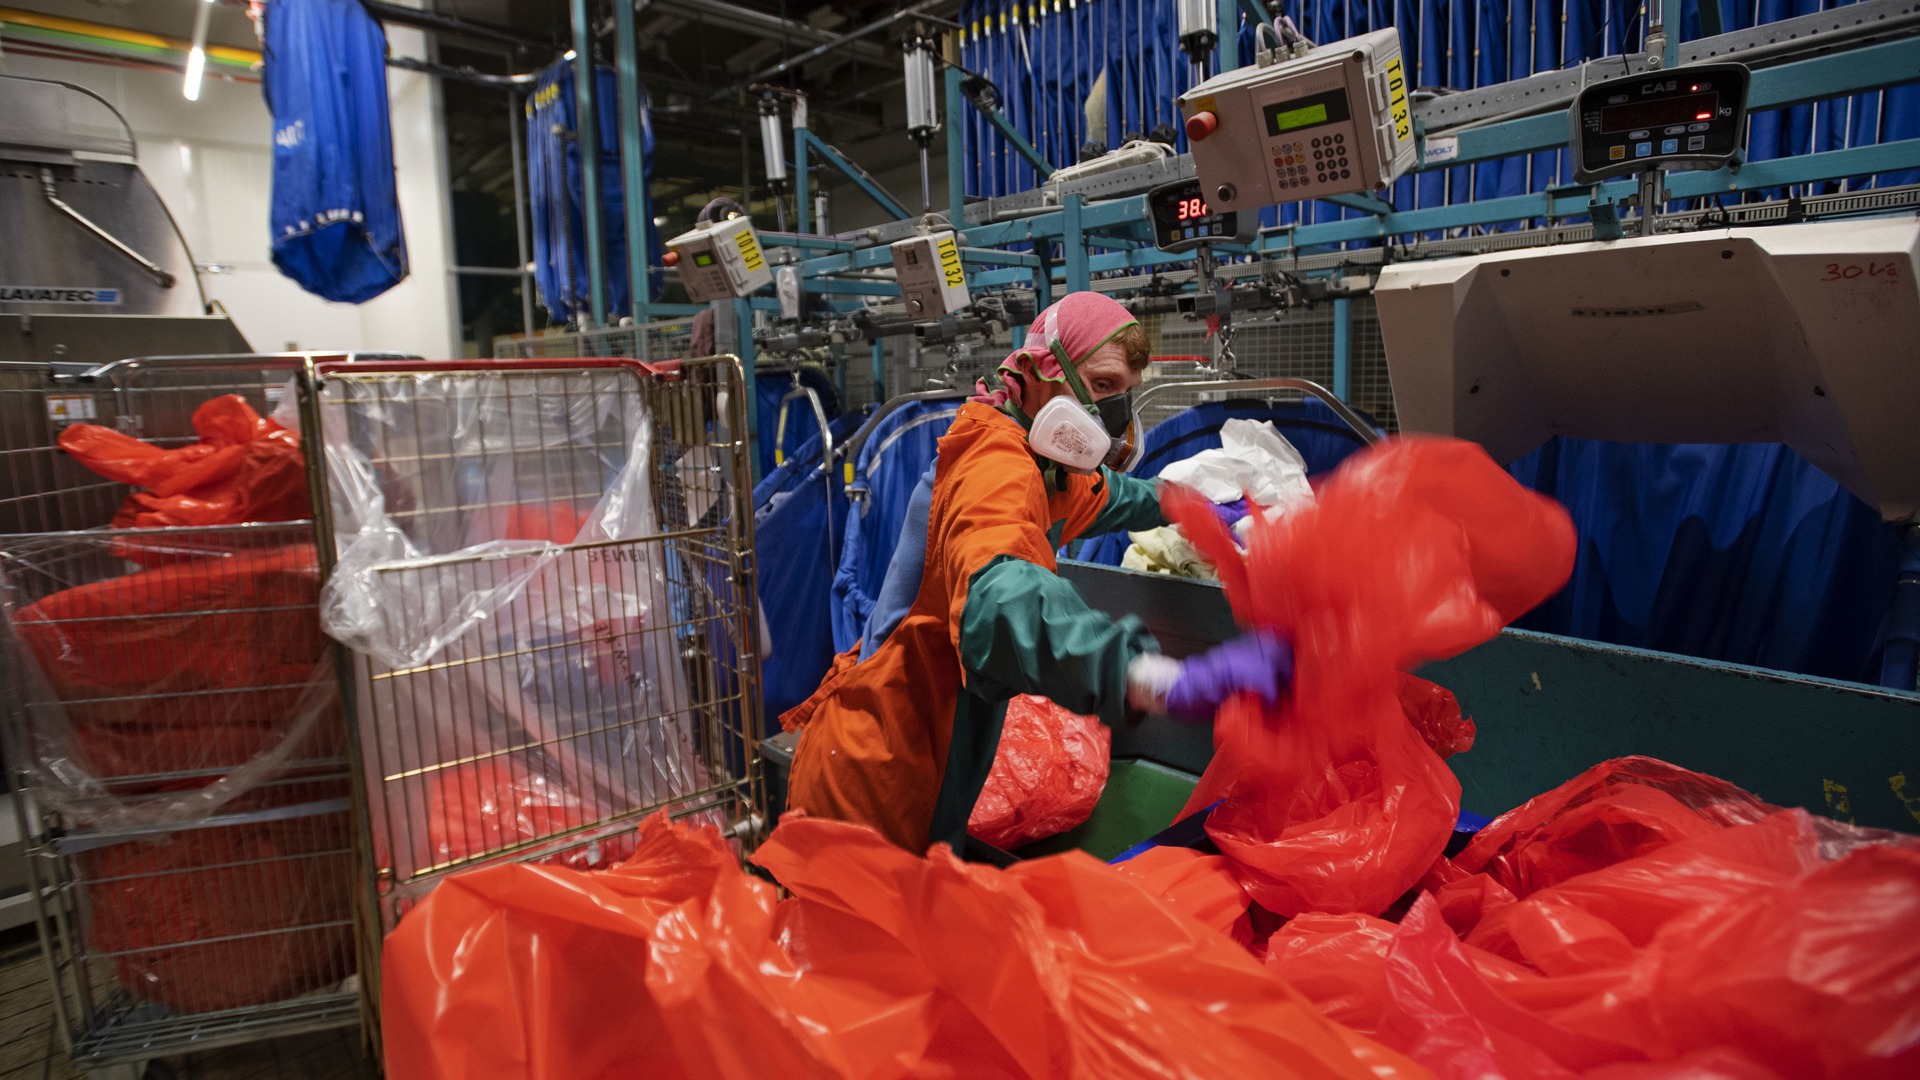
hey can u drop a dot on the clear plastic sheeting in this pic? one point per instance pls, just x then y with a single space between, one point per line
432 475
521 618
151 696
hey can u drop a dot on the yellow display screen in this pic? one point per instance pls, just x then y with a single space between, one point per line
1287 117
1305 116
701 258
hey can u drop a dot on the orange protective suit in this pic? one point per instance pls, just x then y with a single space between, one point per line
904 739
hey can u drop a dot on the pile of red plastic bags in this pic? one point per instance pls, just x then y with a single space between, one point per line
1639 921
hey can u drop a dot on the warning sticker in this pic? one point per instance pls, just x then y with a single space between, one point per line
63 410
749 250
1397 101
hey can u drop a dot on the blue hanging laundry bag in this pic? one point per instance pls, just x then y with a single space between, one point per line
336 211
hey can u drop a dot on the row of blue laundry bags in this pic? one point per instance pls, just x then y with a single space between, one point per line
1045 58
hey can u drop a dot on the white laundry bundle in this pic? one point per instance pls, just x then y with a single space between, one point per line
1254 462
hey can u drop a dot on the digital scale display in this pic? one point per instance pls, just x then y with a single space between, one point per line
1693 117
1182 219
1659 113
1286 117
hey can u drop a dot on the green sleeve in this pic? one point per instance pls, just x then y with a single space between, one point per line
1024 630
1133 504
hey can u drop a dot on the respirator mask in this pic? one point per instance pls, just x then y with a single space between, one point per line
1083 434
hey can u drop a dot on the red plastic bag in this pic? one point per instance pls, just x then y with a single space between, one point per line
227 916
197 664
882 964
488 806
1787 944
1047 775
1435 713
1614 811
244 468
1817 975
1415 549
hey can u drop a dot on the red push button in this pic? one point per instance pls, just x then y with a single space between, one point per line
1201 124
671 258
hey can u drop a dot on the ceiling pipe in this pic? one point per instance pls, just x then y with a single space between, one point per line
918 11
769 26
446 24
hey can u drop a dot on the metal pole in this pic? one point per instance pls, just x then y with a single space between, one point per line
956 151
516 127
633 161
1074 242
802 204
1655 44
1652 197
743 314
1227 53
587 137
1343 348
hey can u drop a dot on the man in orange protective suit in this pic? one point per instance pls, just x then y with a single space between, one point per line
902 732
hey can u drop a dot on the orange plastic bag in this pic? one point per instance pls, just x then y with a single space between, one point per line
1047 775
1200 886
244 468
882 964
1416 549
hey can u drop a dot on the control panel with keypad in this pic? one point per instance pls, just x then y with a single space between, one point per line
1333 121
1690 117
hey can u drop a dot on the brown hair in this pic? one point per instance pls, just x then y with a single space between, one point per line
1139 347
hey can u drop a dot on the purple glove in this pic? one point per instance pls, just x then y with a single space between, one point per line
1230 513
1260 662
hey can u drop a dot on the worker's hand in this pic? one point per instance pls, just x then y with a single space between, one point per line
1231 514
1260 663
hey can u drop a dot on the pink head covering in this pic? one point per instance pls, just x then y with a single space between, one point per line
1077 325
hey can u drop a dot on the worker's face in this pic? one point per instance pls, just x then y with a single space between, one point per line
1106 372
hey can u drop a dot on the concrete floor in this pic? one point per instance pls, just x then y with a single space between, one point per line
30 1048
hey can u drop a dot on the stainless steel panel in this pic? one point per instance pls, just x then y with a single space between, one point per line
99 339
46 248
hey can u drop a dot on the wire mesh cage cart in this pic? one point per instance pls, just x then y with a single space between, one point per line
542 572
172 722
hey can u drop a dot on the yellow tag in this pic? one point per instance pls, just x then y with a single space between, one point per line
950 262
849 472
1397 102
749 251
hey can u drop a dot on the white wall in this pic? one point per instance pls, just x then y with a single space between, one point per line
212 162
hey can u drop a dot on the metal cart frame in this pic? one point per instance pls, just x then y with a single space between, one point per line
54 536
523 712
